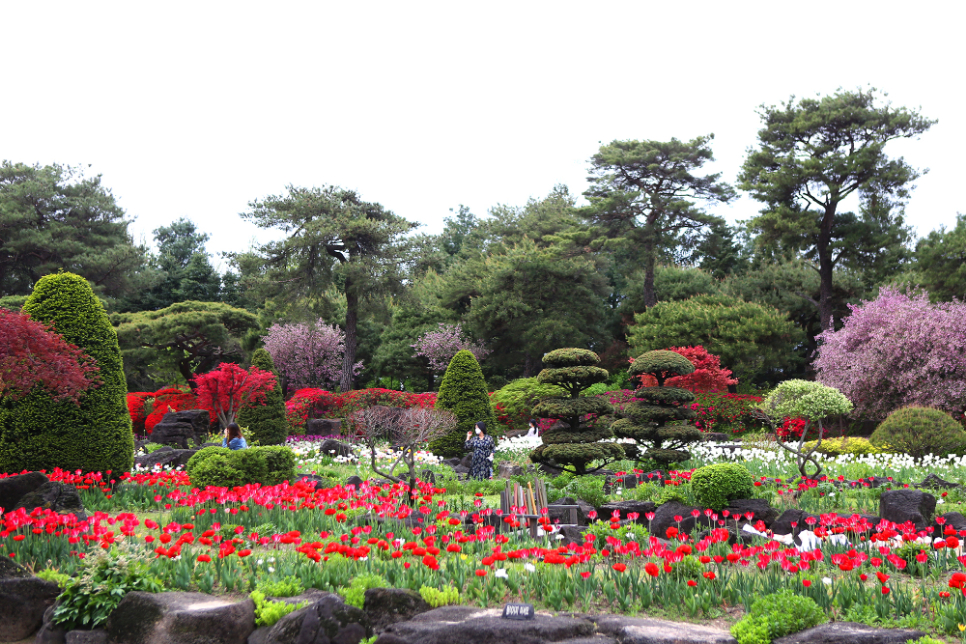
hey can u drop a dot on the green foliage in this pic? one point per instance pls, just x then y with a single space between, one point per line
805 399
919 431
355 593
222 467
750 338
462 392
52 574
95 435
716 485
940 268
570 357
516 399
777 615
266 423
104 579
286 587
268 612
850 445
436 597
631 532
661 364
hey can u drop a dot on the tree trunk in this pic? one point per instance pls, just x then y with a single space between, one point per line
530 366
650 297
825 269
351 319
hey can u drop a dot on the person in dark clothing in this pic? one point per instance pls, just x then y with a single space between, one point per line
483 447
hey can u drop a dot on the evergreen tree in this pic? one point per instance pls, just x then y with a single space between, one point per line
462 392
37 433
266 423
574 441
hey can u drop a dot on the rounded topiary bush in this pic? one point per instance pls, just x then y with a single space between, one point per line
37 433
714 486
222 467
462 392
266 424
919 431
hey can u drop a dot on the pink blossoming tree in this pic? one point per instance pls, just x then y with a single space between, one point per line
308 355
898 350
441 345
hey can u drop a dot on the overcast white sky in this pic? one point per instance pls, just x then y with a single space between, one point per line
195 108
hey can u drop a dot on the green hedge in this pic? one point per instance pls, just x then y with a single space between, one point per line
222 467
39 434
715 486
266 424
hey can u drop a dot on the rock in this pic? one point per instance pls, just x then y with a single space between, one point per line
323 426
428 476
851 633
759 508
165 457
934 482
507 469
637 630
96 636
628 482
900 506
664 519
571 534
320 481
13 488
332 447
48 633
55 496
563 516
461 469
385 606
734 536
23 601
484 626
10 569
467 461
353 480
954 520
714 437
329 620
451 462
627 507
180 618
783 524
882 481
179 427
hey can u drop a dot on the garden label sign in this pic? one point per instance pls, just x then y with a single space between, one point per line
518 611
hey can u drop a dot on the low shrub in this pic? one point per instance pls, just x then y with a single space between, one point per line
268 612
919 431
777 615
715 485
288 587
222 467
728 413
436 597
355 593
850 445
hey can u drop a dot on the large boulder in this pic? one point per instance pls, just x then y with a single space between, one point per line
332 447
180 427
328 620
23 601
55 496
667 514
900 506
851 633
759 509
49 632
323 426
561 515
181 618
385 606
783 524
13 488
637 630
485 626
165 457
506 469
624 508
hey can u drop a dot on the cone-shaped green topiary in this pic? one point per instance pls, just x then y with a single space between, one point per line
918 431
94 436
266 423
462 392
573 442
646 420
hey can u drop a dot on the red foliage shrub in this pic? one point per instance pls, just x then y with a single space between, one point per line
708 376
719 412
225 389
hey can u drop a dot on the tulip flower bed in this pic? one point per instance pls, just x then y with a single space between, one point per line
226 541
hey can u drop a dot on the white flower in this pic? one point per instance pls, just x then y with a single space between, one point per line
260 562
501 573
529 567
270 569
827 581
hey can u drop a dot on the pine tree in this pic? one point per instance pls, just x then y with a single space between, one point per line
463 392
266 423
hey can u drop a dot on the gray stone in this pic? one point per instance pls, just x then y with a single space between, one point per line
851 633
635 630
165 457
10 569
180 618
13 488
96 636
428 476
563 516
783 524
331 447
329 620
461 469
484 626
385 606
48 633
23 601
353 480
506 469
642 508
664 519
180 427
953 520
323 426
759 508
714 437
451 462
55 496
934 482
467 461
900 506
320 481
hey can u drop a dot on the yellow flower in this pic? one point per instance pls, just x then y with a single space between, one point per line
962 627
463 557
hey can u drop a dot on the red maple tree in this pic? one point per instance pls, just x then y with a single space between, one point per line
32 354
708 376
228 387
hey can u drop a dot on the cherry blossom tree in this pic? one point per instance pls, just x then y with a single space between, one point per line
441 345
308 355
227 388
32 354
898 350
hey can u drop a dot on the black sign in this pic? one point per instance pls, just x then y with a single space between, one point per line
518 611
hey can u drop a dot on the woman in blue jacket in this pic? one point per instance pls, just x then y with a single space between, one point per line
233 438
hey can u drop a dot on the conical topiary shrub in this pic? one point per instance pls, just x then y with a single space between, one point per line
462 392
37 433
646 420
574 442
266 423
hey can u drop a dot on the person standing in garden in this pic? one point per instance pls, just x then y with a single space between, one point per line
233 437
483 447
